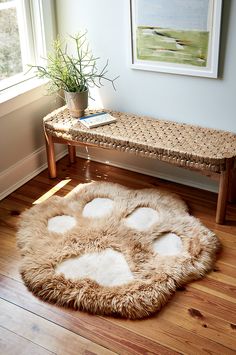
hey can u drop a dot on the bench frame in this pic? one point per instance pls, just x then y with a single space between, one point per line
226 178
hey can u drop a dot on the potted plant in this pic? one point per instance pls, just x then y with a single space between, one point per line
74 74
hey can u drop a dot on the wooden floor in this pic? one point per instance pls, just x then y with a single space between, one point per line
199 319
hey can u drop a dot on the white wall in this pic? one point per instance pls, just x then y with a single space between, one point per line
201 101
22 146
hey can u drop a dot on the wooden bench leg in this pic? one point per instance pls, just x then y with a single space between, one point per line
72 153
232 186
223 192
52 170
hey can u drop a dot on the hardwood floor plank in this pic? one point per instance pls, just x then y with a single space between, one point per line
218 307
225 269
214 292
45 333
228 291
12 344
178 338
200 323
227 256
96 329
8 253
225 279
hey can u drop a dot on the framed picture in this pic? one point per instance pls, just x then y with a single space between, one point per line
176 36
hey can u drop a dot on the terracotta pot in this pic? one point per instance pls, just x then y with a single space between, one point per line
77 102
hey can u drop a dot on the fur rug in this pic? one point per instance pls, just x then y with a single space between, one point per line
110 250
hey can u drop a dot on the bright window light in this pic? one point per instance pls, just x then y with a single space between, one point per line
24 34
10 47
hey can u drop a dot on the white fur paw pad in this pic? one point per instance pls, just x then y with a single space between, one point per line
168 244
98 207
107 268
61 224
142 218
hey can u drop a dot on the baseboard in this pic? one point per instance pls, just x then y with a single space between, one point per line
24 170
208 184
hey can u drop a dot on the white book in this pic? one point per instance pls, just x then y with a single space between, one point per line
97 119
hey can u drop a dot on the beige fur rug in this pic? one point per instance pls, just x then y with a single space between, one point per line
110 250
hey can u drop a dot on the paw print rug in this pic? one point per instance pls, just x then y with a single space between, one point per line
110 250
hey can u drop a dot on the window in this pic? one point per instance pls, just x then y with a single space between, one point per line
24 36
10 50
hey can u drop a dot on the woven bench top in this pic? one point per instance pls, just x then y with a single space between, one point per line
180 144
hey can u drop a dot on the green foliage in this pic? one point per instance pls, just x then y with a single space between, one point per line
10 53
72 73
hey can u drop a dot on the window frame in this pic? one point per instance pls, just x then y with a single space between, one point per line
37 25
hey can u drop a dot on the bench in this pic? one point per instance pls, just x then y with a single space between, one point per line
211 152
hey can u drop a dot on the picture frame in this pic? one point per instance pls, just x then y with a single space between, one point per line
178 37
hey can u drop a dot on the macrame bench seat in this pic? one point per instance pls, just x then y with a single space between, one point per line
209 151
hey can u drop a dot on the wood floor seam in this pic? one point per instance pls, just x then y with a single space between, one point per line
48 320
28 340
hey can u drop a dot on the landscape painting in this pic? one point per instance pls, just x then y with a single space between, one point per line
176 35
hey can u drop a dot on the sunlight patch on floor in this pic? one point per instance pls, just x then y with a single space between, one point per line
52 191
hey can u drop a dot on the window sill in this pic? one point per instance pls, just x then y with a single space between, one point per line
21 95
